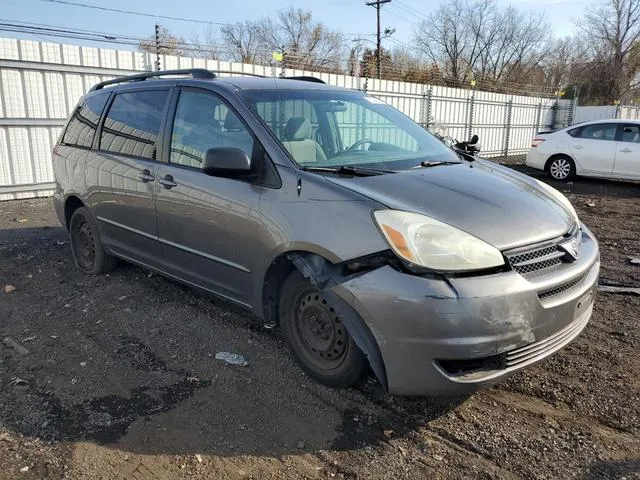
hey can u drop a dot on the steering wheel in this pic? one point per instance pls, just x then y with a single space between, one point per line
364 141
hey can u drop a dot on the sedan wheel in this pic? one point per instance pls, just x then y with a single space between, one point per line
562 169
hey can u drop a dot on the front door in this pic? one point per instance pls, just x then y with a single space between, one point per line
594 148
627 163
122 174
207 225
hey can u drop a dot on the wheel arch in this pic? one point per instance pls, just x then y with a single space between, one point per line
324 275
71 204
559 155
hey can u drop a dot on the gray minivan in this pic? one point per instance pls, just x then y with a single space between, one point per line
326 211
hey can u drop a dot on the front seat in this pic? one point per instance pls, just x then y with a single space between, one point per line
299 143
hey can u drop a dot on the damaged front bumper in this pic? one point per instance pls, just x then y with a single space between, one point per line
452 336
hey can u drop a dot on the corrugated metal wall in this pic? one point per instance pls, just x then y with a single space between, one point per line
629 112
40 84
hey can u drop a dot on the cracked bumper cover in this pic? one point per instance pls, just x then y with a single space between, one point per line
419 321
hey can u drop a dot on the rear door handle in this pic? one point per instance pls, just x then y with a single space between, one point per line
167 182
145 176
626 150
578 147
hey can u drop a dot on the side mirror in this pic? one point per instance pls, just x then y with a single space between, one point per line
474 139
226 162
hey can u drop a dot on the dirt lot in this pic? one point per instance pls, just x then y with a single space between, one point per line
120 381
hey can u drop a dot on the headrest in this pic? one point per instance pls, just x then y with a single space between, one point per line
298 128
232 122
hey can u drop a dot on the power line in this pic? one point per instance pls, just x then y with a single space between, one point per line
409 9
129 12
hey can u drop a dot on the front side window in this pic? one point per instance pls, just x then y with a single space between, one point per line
631 133
133 123
599 131
204 121
344 128
84 121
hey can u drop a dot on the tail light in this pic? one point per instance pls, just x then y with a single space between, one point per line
537 141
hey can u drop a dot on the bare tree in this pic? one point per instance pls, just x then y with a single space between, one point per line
242 40
205 44
169 44
475 39
612 30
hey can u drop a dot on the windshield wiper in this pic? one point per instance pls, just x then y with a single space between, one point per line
348 170
436 163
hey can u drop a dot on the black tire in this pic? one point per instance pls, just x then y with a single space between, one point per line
561 168
87 250
316 337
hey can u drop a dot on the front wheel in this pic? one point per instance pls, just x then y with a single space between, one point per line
86 247
561 168
316 336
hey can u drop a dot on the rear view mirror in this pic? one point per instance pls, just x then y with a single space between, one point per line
226 162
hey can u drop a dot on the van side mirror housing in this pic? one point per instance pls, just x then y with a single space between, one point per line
226 162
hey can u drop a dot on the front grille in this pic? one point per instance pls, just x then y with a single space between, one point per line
560 288
538 260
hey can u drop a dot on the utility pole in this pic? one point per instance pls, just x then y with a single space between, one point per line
377 4
157 47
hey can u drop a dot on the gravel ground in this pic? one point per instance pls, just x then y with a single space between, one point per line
120 381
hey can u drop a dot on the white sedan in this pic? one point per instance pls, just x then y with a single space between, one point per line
603 148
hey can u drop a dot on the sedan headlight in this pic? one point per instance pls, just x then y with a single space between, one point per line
429 243
561 198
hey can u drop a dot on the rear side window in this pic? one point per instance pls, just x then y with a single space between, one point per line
597 131
631 133
133 123
84 121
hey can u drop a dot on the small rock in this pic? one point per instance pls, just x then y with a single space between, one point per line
300 444
24 469
439 458
74 381
9 288
22 220
232 359
29 339
388 433
635 261
83 364
199 458
590 203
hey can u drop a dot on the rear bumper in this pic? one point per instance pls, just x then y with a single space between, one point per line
431 331
535 159
58 204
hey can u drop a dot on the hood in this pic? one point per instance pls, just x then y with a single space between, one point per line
496 204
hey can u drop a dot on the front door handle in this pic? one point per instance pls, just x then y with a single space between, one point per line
145 176
167 182
626 150
578 147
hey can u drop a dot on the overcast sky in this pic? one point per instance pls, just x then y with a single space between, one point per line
349 16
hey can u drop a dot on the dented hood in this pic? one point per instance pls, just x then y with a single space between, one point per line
496 204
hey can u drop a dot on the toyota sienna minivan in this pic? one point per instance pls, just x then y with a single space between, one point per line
368 241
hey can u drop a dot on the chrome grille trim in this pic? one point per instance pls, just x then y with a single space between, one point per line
541 259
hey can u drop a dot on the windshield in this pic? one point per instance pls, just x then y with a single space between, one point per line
332 128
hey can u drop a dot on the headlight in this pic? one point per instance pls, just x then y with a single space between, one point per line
430 243
561 198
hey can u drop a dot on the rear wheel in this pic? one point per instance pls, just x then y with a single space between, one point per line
561 168
316 336
86 247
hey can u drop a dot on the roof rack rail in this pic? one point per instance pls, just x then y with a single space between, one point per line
305 78
231 72
194 72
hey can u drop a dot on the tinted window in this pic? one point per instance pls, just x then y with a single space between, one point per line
203 121
133 123
631 133
575 132
84 121
599 131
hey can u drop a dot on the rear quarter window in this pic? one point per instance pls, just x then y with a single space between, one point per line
575 132
84 121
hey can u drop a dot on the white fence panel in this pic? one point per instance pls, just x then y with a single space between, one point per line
41 82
